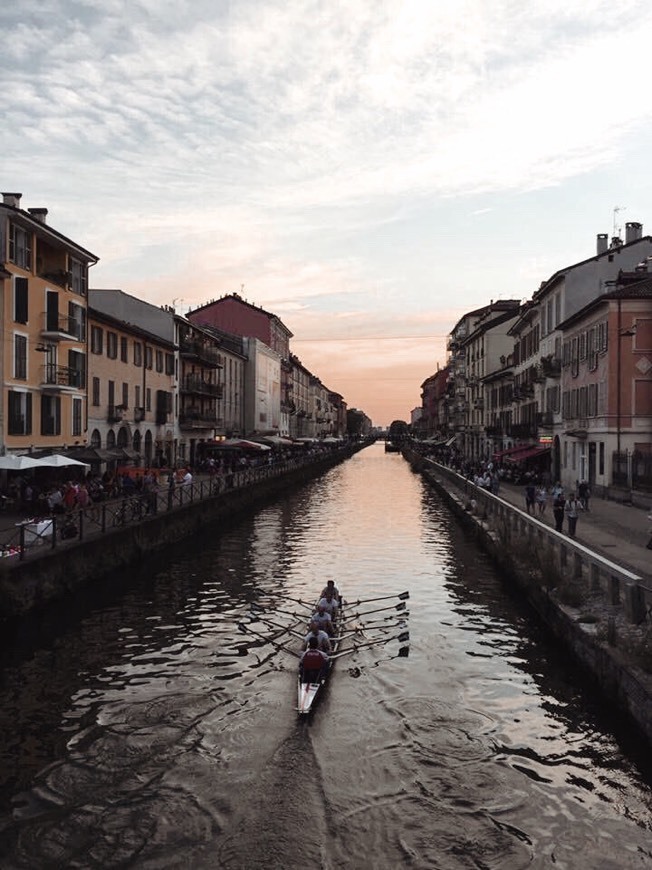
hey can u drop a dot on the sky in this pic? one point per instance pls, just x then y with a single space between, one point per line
367 170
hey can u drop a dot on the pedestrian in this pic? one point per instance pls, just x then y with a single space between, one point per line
558 509
542 500
530 496
583 493
572 510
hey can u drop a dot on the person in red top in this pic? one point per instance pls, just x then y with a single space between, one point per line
313 664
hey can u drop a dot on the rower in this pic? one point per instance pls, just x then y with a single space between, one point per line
323 640
330 604
313 664
331 587
323 619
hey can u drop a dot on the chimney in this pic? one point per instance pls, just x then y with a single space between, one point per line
603 243
12 199
633 231
38 214
616 242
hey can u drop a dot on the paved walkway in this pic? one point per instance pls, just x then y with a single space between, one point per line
616 531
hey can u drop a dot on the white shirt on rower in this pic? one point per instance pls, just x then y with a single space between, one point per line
331 606
323 640
323 620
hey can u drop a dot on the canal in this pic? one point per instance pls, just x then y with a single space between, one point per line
144 729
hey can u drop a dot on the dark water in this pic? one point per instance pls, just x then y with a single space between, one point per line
150 732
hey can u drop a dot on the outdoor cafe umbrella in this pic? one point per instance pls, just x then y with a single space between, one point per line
59 461
12 462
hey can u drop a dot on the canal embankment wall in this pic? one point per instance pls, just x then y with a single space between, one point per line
598 610
57 569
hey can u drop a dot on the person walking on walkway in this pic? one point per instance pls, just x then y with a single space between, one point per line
558 512
530 496
572 510
583 493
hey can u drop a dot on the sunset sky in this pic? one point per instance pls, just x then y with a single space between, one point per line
368 171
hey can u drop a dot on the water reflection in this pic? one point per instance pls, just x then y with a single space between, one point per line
150 732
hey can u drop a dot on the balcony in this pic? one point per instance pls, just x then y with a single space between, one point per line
197 384
61 326
578 427
193 418
551 367
56 378
496 432
205 353
544 419
139 415
524 430
116 413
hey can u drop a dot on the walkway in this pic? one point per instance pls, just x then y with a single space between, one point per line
616 531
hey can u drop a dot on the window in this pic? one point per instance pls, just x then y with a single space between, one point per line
148 399
76 369
50 415
77 321
20 357
601 457
169 363
124 355
20 300
111 395
76 417
125 395
138 353
137 397
20 247
97 339
20 413
112 345
159 360
79 277
96 392
149 357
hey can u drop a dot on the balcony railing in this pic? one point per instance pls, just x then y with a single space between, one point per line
524 430
197 384
62 376
204 352
551 366
195 419
116 413
544 419
57 325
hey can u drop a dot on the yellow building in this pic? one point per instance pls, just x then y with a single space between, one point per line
43 363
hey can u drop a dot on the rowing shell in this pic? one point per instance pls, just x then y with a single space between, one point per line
307 693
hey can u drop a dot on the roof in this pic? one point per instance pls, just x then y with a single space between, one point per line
561 273
641 290
46 229
237 298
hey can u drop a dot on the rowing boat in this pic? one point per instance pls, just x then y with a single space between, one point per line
307 693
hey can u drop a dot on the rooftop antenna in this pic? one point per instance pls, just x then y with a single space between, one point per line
617 229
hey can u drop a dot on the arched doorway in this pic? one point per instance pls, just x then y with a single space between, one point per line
110 439
148 448
96 439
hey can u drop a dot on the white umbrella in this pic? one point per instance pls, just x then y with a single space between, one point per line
59 461
13 462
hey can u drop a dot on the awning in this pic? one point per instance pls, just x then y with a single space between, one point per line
511 450
528 454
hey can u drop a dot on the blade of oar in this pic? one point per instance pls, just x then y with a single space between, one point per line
402 596
400 606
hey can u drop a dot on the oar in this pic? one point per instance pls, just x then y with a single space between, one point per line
400 606
403 637
245 628
402 596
